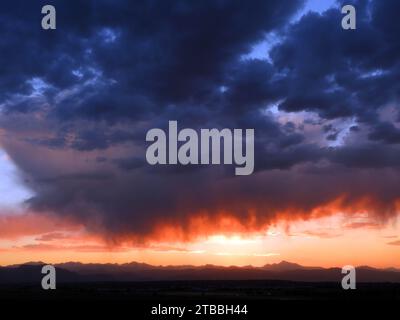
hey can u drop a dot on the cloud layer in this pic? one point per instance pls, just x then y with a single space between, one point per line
76 104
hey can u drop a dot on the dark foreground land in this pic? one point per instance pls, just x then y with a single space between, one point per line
135 290
194 290
136 300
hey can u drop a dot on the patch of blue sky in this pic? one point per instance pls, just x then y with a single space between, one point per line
12 191
261 49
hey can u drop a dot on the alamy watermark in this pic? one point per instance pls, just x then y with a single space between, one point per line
349 20
349 280
49 20
205 149
49 280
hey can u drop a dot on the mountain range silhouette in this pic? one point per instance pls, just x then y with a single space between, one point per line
74 272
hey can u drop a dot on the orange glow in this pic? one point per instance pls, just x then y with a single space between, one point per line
322 241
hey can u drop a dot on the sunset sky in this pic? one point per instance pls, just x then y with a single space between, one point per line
76 103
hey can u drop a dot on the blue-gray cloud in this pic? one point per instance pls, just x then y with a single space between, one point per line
76 103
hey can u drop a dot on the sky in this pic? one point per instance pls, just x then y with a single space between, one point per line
13 193
76 103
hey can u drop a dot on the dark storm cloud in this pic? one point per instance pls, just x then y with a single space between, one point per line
368 155
386 132
159 52
337 73
77 102
130 163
